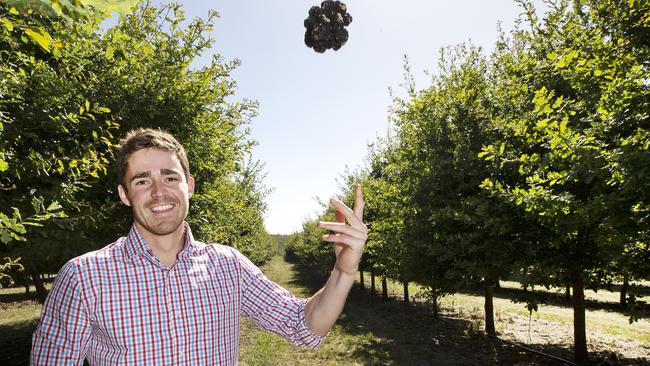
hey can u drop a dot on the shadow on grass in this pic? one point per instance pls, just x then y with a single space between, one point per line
409 335
16 342
557 299
17 296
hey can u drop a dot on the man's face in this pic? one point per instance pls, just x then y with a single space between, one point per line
158 192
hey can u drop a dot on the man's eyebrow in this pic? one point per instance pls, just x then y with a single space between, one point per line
141 175
169 172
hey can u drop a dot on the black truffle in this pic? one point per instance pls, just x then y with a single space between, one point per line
326 26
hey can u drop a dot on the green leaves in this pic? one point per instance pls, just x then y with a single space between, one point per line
108 7
39 36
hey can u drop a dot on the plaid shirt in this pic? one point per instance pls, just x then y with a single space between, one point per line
121 306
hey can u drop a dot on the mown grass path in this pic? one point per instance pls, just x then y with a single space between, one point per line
372 331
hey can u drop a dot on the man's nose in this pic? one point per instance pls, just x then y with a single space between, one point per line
157 188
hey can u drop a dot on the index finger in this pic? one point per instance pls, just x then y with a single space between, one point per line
348 213
358 202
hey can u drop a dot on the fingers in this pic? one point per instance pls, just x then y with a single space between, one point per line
356 233
352 218
342 228
340 217
358 202
342 239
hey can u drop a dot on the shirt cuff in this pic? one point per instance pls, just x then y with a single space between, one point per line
304 335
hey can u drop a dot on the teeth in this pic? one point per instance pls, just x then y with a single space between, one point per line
162 208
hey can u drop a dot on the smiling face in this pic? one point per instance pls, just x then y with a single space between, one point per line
157 191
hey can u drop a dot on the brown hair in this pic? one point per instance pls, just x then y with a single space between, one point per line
144 138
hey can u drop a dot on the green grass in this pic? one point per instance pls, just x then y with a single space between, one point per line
610 323
603 295
372 331
259 347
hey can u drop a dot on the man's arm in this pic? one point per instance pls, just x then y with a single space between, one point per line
322 309
63 334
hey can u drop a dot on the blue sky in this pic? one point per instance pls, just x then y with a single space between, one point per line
318 112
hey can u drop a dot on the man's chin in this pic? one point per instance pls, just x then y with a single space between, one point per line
162 229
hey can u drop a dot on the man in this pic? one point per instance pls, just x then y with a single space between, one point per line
159 297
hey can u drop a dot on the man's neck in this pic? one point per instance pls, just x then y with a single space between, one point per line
165 247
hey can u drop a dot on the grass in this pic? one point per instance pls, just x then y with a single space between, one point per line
602 295
19 314
605 322
259 347
372 331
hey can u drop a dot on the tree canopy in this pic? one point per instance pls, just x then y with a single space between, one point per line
71 94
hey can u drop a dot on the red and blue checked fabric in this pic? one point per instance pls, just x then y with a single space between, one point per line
121 306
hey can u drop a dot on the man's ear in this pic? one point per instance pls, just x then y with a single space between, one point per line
190 185
123 195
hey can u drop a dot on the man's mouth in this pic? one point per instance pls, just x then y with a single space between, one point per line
162 208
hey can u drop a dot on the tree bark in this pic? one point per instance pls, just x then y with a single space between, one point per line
624 288
384 288
434 305
406 293
489 311
372 281
363 285
579 331
41 292
497 285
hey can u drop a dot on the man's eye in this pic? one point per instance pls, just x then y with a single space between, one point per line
140 182
172 179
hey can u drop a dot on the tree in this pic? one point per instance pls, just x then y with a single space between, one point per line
456 235
573 108
53 134
68 106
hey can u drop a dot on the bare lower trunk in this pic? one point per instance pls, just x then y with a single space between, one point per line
372 281
363 285
41 292
434 305
624 288
489 311
579 331
406 292
384 288
567 293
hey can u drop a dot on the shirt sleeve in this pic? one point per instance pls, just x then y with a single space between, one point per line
274 308
63 334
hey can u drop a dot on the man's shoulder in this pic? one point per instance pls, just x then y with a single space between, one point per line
109 253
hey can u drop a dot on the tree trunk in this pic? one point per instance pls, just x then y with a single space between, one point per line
363 285
567 293
406 292
27 289
489 311
372 281
497 285
624 288
384 288
41 292
579 331
434 305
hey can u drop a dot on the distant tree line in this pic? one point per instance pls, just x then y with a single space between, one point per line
532 161
70 90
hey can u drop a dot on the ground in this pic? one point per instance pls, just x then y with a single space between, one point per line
373 331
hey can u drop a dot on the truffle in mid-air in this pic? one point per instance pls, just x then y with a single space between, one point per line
326 26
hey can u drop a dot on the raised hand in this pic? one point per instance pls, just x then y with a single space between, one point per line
349 233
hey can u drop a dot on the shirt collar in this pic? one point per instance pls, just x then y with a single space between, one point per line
136 245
